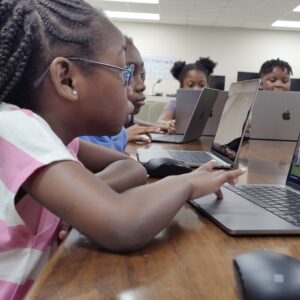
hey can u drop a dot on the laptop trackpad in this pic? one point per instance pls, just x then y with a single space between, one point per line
238 216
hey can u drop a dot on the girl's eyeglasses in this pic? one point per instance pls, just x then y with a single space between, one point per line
127 72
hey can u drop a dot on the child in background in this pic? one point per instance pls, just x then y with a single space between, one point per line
190 76
136 129
136 98
275 75
62 75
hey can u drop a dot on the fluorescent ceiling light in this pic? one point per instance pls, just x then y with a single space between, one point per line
136 1
291 24
297 8
131 15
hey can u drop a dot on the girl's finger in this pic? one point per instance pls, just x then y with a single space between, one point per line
220 172
219 194
209 166
231 176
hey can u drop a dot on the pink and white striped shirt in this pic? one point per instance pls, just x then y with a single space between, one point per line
28 232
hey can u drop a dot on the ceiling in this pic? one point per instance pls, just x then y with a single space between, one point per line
221 13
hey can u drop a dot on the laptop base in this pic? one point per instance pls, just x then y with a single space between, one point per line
240 217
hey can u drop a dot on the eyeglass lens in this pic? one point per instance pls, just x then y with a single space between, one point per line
128 74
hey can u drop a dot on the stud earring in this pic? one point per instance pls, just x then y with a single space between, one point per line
75 93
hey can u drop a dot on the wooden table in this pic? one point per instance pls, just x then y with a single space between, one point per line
190 259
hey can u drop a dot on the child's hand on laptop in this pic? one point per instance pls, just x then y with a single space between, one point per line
205 180
167 126
138 133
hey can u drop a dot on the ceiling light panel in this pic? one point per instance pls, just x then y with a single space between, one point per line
135 1
132 15
289 24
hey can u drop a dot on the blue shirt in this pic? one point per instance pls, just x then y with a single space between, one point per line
117 142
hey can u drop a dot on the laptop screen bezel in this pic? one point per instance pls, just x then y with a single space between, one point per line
224 158
292 184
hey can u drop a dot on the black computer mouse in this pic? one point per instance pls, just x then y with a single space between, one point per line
164 166
267 276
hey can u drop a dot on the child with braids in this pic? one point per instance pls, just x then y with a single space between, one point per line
63 75
190 76
275 75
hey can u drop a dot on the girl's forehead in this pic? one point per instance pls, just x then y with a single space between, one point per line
195 74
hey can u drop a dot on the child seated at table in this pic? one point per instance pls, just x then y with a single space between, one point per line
63 75
275 75
190 76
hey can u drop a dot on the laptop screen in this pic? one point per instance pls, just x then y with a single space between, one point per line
293 178
234 119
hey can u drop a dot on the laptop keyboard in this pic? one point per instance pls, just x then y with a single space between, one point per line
280 201
191 157
166 137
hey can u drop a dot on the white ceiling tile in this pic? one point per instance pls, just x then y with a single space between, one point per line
231 13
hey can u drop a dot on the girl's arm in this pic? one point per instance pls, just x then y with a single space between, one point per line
119 222
96 158
166 116
117 169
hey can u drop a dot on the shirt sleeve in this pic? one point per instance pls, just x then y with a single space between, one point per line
171 107
27 143
117 142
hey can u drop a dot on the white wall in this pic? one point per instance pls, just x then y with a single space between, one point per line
234 49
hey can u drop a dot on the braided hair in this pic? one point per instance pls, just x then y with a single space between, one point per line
203 64
34 32
268 66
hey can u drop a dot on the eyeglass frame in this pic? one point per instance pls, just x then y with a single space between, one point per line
127 72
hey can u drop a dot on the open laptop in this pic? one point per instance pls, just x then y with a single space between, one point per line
215 115
276 116
227 142
258 209
193 109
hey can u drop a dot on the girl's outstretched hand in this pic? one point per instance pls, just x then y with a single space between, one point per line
206 180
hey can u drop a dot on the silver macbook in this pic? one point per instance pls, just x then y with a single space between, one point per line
215 116
193 109
276 116
258 209
226 144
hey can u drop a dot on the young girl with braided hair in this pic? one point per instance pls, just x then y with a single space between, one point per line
63 75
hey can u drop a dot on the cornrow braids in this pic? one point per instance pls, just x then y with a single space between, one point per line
268 66
34 32
57 33
54 9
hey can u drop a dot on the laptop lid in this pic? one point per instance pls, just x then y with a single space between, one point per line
186 102
233 123
215 115
193 108
275 116
198 118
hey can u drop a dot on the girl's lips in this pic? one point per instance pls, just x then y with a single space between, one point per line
139 102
